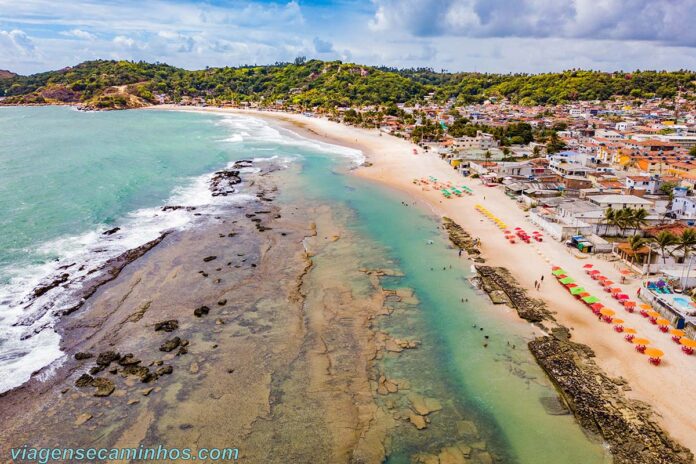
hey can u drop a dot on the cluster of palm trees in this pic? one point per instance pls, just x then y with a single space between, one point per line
633 219
625 219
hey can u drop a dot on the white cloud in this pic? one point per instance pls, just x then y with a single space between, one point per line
125 42
80 34
16 41
665 21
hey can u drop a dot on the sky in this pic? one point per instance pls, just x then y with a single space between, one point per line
455 35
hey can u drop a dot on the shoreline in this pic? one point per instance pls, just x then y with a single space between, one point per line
391 163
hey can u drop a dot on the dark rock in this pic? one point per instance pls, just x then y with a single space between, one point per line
84 380
222 183
170 344
129 360
43 289
202 311
138 371
82 355
165 370
167 326
96 369
209 258
222 302
629 427
105 387
111 231
175 208
107 357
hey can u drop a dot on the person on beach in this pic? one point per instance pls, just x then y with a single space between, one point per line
536 285
460 252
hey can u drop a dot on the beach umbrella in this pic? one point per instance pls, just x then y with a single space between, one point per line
625 272
629 304
555 268
593 272
640 344
583 294
629 330
607 312
654 352
618 321
587 266
558 272
590 299
615 290
596 306
645 306
622 296
662 321
567 280
576 290
606 283
688 345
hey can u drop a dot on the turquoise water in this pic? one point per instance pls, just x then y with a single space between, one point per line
68 175
498 386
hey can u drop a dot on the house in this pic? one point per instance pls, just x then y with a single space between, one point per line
620 201
684 207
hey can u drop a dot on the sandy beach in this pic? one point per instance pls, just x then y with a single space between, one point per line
392 162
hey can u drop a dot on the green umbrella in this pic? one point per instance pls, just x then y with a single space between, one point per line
567 280
558 272
590 299
577 290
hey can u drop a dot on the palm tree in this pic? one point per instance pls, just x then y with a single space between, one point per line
622 219
609 218
687 242
664 240
638 219
635 243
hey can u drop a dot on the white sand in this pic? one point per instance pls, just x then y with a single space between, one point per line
669 388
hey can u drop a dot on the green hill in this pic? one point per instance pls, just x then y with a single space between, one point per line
314 83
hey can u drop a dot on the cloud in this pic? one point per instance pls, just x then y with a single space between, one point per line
125 42
16 41
322 46
665 21
80 34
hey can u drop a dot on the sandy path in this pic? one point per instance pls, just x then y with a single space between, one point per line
667 388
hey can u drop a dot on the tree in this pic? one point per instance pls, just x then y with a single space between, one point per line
555 144
636 243
623 218
609 218
687 242
692 151
664 240
638 219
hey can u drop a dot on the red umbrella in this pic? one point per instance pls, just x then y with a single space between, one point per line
596 306
622 296
587 266
571 285
615 290
606 283
593 272
555 268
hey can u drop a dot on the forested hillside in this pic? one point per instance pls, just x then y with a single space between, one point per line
326 84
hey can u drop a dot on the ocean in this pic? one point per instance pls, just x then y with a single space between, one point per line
66 177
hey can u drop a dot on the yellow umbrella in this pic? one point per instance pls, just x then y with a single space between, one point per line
617 321
688 342
654 352
629 330
645 306
662 321
677 332
640 341
607 312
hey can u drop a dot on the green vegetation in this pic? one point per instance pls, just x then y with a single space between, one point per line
328 85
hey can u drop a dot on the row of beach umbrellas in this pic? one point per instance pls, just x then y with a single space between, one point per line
605 314
498 222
